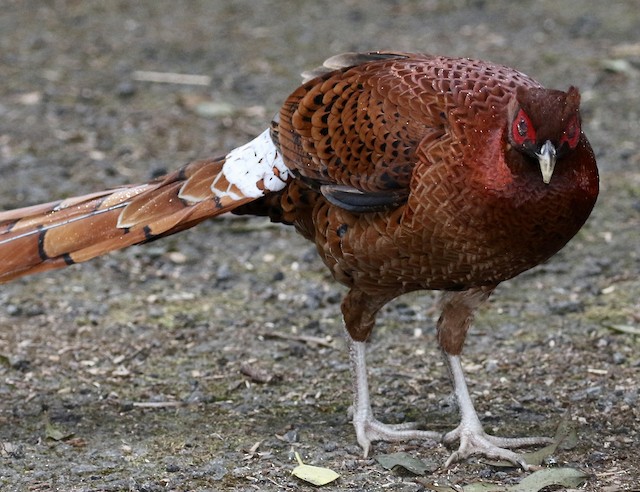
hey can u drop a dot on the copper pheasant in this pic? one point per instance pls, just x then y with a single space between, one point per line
408 172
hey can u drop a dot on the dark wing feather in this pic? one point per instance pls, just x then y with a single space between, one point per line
355 130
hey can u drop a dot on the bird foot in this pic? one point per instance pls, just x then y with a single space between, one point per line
477 442
370 429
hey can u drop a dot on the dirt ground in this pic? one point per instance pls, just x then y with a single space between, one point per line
201 362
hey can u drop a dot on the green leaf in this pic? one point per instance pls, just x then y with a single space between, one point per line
625 329
566 438
55 433
315 475
403 460
565 477
565 435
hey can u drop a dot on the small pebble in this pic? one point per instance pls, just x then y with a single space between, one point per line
13 310
594 392
21 365
566 307
177 257
631 398
126 89
618 358
330 446
491 365
351 465
291 436
223 272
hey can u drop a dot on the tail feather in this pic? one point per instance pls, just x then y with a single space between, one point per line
198 188
53 235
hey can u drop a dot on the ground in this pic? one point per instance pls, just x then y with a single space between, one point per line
201 362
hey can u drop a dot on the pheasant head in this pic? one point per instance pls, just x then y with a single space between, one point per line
544 125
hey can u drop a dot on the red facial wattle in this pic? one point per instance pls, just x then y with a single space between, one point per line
571 134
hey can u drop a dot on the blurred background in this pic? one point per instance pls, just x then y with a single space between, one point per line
156 368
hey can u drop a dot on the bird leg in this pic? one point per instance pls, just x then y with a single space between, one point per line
456 317
473 439
368 428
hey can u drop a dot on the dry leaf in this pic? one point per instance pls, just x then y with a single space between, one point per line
315 475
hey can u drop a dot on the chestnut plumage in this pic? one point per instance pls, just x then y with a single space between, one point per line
408 172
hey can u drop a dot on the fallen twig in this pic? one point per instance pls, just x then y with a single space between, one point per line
158 404
171 78
322 341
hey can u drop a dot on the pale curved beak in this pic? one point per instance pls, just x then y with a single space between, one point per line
547 160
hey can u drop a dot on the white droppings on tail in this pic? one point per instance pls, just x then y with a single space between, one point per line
255 162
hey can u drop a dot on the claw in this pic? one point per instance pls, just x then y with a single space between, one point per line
477 442
369 429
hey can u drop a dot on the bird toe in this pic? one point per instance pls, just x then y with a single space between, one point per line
482 444
371 429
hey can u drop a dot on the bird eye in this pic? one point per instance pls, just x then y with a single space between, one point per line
522 130
571 134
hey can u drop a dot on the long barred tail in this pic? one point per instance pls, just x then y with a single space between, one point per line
54 235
